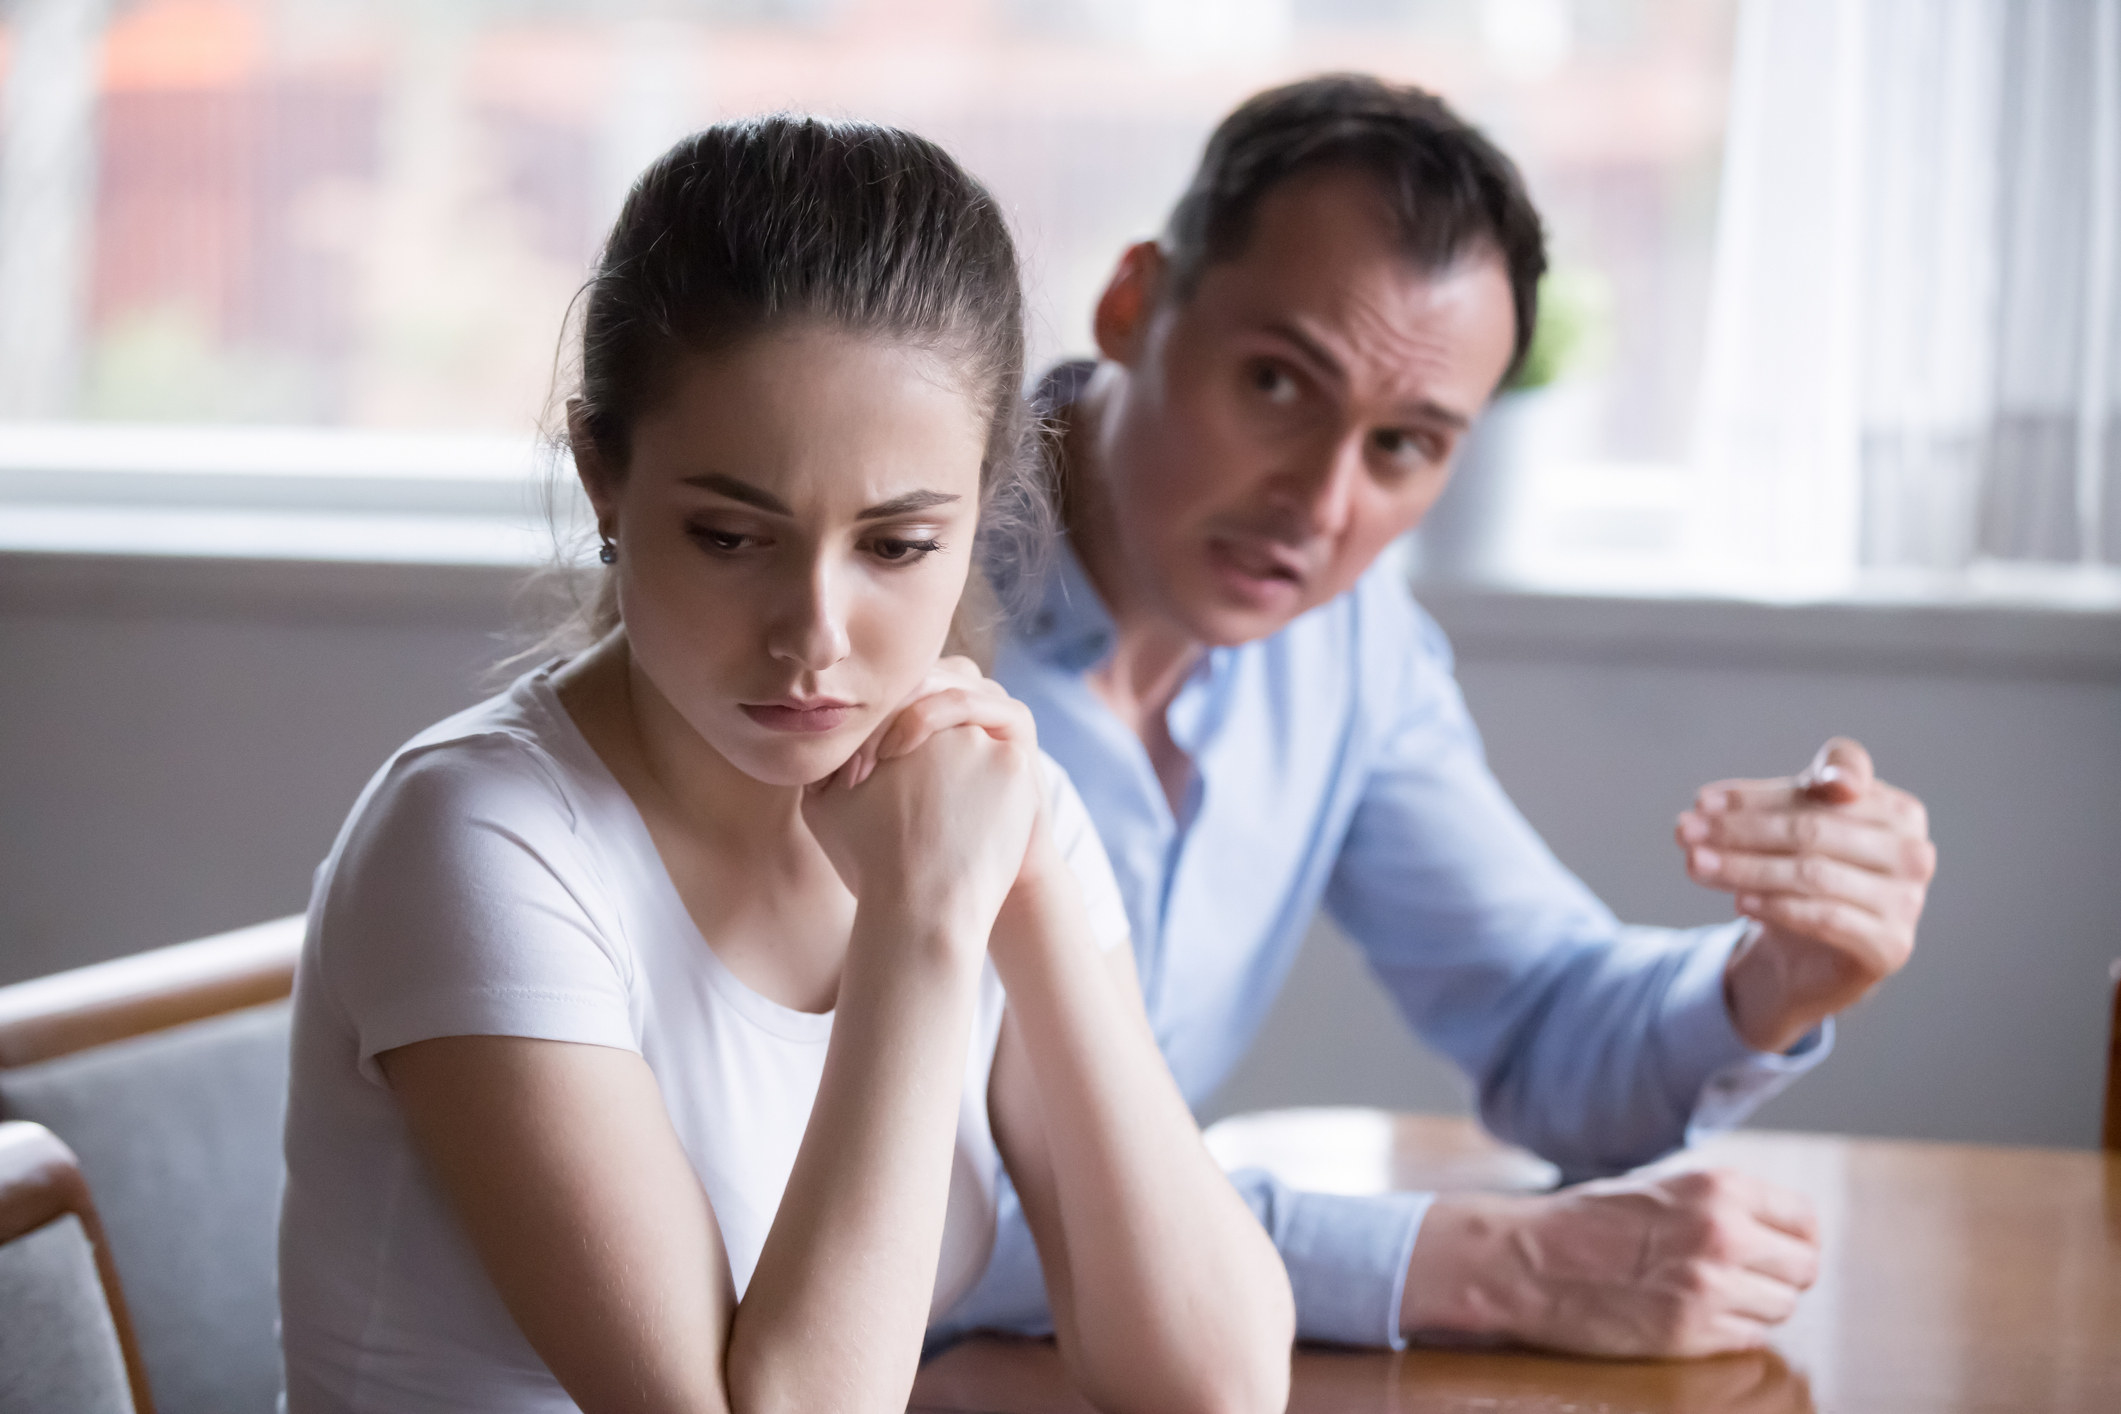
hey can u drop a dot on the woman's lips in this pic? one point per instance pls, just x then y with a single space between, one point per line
821 715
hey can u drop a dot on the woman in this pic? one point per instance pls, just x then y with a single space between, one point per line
650 1045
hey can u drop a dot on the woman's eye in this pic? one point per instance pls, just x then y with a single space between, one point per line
898 552
724 541
1274 383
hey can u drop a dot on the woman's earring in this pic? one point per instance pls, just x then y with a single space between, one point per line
608 552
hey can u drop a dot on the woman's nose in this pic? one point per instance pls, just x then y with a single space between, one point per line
810 629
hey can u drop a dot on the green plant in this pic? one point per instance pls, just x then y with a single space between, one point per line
1574 334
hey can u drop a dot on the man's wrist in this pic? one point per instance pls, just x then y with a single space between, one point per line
1465 1276
1756 992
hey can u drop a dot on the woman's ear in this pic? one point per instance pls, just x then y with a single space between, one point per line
589 468
1121 324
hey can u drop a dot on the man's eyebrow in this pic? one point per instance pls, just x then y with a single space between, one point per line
905 505
737 490
1311 349
1437 412
1427 410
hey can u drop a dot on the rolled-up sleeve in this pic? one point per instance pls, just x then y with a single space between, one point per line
1347 1257
1597 1044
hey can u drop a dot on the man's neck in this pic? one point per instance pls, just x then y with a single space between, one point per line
1151 655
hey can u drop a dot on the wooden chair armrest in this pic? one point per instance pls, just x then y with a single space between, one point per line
40 1182
2110 1132
70 1011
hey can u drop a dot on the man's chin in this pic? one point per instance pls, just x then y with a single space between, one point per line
1229 605
1212 619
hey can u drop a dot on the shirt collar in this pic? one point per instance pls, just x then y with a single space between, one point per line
1069 627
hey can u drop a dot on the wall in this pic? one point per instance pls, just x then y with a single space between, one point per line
179 741
1996 1031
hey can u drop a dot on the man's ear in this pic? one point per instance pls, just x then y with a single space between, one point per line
1121 325
589 465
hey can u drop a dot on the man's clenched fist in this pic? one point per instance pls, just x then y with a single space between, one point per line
1687 1264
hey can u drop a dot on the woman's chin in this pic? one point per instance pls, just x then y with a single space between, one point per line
794 761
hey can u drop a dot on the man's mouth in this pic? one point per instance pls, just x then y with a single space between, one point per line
800 715
1261 570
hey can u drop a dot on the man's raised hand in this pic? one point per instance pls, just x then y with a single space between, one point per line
1833 864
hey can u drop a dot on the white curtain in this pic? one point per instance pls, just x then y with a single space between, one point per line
1914 352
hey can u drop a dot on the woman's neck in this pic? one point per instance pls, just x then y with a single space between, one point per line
757 885
670 771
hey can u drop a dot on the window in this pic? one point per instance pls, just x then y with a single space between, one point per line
332 214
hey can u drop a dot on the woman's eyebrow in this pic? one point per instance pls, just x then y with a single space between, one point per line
737 490
766 501
905 505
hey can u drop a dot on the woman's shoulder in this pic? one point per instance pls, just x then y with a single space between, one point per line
1064 803
1075 833
463 871
501 756
489 782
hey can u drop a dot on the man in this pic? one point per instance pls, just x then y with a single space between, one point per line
1261 720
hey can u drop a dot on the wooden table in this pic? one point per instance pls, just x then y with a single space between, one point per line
1957 1278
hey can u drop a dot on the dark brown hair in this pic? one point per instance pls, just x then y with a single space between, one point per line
1449 189
754 224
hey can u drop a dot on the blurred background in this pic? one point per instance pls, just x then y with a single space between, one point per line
1823 434
319 212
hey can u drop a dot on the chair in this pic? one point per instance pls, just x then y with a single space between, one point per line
65 1345
166 1072
2110 1135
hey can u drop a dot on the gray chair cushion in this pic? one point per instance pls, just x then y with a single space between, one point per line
178 1133
58 1346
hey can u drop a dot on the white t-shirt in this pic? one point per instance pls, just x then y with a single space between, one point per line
494 879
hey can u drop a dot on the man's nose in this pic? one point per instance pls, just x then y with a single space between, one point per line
1319 495
809 626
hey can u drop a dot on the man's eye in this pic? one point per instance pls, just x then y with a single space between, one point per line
1406 448
896 552
1275 383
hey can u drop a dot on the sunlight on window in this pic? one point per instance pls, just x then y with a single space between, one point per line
366 215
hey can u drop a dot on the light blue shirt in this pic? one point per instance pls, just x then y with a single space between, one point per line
1334 763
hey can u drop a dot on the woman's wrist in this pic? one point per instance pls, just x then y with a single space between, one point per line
945 927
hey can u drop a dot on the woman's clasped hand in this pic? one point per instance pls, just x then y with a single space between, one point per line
940 804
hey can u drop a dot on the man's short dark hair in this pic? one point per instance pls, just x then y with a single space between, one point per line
1449 189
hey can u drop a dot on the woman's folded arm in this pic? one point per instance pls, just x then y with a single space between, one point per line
561 1162
1167 1295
